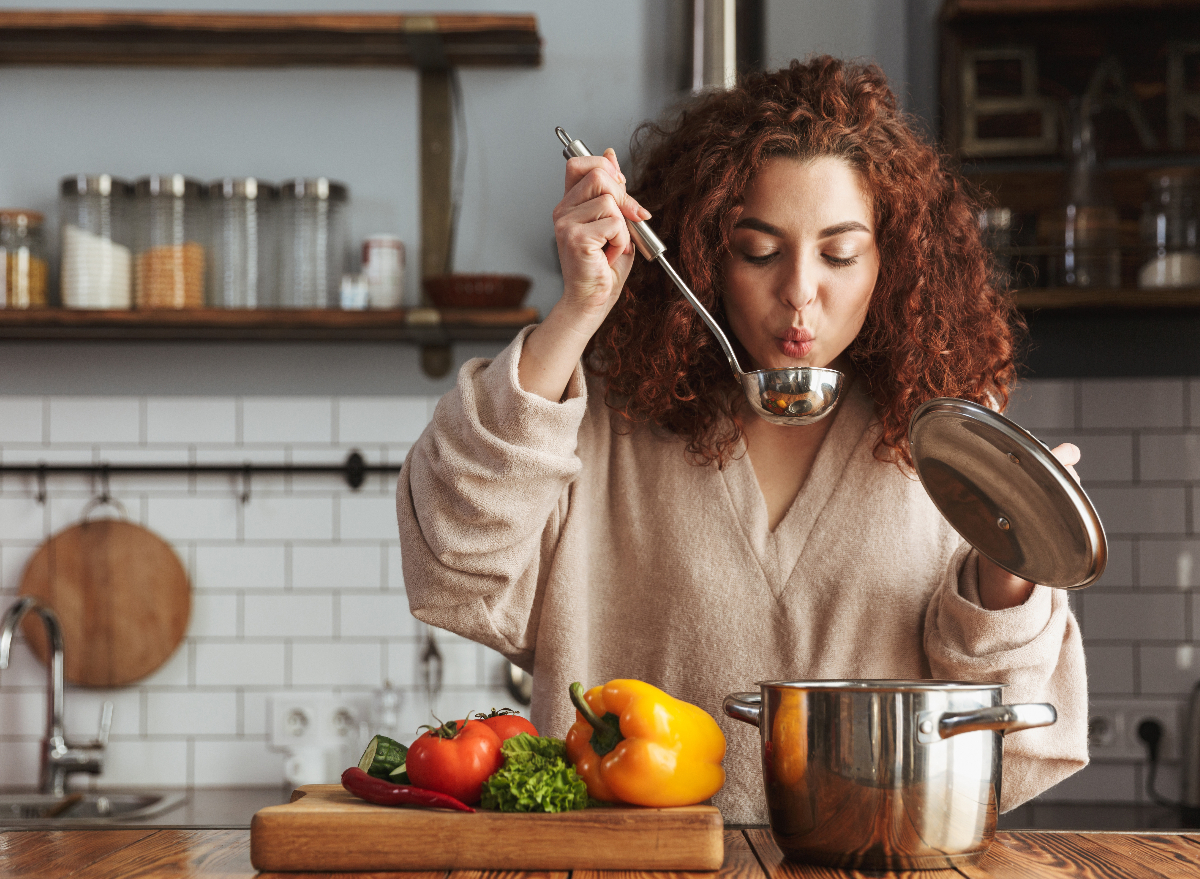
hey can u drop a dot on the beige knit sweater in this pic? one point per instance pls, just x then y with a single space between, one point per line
584 554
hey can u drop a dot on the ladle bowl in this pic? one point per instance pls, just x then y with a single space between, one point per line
794 395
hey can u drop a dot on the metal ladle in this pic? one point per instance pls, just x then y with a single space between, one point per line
791 396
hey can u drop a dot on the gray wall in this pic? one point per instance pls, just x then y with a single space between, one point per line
606 68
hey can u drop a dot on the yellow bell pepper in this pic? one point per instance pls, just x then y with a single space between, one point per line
633 743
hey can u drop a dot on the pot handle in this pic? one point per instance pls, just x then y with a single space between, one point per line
932 726
745 707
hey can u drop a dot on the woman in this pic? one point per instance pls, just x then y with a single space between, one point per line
598 502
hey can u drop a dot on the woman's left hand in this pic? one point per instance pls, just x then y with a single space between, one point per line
998 589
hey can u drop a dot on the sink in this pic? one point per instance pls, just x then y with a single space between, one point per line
85 806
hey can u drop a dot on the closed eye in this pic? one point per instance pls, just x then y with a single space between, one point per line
759 259
840 261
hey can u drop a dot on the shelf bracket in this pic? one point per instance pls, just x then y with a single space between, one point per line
437 148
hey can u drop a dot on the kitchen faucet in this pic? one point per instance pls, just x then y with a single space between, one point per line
59 757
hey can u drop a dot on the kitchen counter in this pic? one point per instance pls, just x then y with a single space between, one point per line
749 854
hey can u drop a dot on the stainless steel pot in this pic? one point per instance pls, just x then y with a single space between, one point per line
883 775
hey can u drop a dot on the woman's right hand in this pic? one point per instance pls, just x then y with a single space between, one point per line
596 255
594 247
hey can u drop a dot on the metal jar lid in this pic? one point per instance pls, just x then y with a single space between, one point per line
94 184
169 185
1006 494
20 218
314 187
241 187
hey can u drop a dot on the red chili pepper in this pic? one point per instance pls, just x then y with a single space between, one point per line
384 793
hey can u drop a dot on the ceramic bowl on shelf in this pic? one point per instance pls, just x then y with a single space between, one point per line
476 291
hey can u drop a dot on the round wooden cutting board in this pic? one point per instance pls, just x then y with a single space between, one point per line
121 595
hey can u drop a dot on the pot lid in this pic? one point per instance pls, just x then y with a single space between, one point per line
1006 494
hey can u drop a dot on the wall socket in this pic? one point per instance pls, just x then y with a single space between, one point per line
314 721
1112 729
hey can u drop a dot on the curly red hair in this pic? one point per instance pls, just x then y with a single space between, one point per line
936 326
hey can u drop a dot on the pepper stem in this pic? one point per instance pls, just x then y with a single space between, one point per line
606 730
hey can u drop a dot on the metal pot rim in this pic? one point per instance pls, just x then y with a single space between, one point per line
881 685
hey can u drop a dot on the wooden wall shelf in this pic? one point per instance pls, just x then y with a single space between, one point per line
1066 298
203 39
423 326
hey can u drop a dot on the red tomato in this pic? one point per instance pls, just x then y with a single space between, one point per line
455 759
508 725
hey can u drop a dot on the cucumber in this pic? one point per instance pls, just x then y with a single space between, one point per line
384 758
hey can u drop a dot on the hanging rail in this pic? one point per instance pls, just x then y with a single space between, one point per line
354 470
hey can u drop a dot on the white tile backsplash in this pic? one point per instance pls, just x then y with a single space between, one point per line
237 763
337 664
301 590
383 615
288 615
381 419
368 518
146 763
1110 668
1136 404
287 420
1169 669
1165 564
1043 405
22 419
192 713
21 518
240 566
336 567
193 518
1169 456
240 664
92 420
1134 616
289 517
191 420
1098 783
1141 509
214 615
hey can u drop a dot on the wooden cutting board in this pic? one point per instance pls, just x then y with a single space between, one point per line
326 829
121 595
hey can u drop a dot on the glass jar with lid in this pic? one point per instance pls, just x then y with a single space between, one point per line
170 223
242 253
1169 223
313 242
24 250
95 269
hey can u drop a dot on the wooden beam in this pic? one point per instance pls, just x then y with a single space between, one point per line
258 40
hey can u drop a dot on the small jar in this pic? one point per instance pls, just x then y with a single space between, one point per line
1169 223
24 250
313 241
383 264
95 270
170 225
242 252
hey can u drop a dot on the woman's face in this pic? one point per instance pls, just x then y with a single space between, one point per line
803 263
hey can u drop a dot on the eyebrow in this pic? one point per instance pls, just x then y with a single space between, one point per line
766 228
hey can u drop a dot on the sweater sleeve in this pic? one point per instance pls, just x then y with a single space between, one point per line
1035 649
480 499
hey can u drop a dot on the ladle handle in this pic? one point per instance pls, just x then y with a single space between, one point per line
651 247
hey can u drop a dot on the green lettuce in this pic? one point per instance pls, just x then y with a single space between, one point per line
535 777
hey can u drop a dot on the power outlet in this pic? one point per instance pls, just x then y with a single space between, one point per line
1112 729
294 722
314 721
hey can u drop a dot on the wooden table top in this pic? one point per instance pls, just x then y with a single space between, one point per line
749 854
